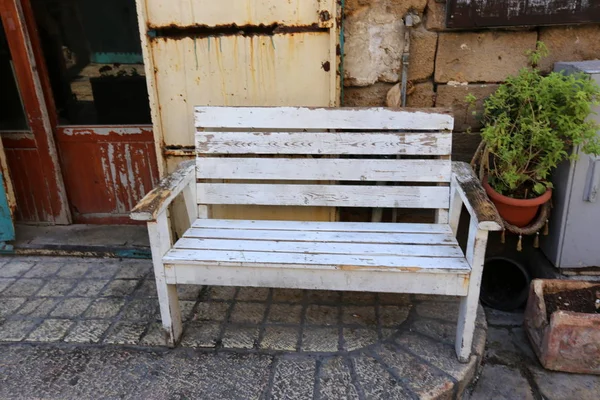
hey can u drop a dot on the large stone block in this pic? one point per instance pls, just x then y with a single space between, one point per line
397 7
571 43
482 56
374 41
464 145
366 96
435 15
419 95
453 95
423 45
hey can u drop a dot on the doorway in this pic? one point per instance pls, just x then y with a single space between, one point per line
86 58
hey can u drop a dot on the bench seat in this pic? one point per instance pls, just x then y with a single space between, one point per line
320 255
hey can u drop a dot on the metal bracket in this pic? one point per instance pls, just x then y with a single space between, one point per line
592 183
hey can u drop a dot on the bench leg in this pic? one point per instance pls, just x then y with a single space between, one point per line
160 243
467 313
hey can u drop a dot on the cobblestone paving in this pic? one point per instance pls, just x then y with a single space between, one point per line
83 328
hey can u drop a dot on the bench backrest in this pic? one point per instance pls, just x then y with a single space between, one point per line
238 146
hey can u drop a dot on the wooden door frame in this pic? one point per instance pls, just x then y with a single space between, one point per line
16 16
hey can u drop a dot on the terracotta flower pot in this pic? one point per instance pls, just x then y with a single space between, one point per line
567 341
517 212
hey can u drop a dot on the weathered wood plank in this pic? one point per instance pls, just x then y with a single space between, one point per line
489 13
324 195
390 282
474 197
322 226
341 143
324 169
411 250
157 200
343 262
326 237
323 118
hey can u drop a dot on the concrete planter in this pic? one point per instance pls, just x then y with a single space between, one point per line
570 341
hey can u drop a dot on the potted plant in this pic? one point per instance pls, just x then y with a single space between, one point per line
530 124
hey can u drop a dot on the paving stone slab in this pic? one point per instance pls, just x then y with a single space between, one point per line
323 296
335 380
502 383
503 318
87 331
141 310
423 380
126 333
24 287
104 270
283 338
252 294
6 282
146 289
9 305
51 330
43 270
359 315
120 288
322 315
562 386
56 287
205 334
14 269
285 313
357 338
104 308
15 331
188 292
393 316
252 313
89 287
288 295
240 336
376 382
38 307
221 292
73 270
155 336
211 311
320 339
293 378
72 307
134 270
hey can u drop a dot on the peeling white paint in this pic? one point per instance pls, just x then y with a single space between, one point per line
104 131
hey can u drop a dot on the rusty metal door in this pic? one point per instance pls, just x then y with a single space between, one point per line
30 148
236 53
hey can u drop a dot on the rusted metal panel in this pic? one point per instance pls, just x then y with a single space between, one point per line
109 170
490 13
238 12
235 71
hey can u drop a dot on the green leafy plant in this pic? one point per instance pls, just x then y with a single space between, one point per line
531 123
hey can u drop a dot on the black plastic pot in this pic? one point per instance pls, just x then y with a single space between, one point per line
505 284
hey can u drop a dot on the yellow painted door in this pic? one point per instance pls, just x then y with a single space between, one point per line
236 53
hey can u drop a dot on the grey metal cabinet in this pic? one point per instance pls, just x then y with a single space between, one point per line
574 240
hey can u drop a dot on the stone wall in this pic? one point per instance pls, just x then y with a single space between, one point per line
445 65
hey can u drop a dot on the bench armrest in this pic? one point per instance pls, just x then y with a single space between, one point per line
157 200
466 185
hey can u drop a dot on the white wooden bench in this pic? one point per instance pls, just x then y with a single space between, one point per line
238 145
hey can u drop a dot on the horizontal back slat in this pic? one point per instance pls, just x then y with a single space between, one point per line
324 195
324 169
334 143
322 118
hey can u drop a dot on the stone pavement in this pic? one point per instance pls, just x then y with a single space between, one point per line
511 370
90 328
